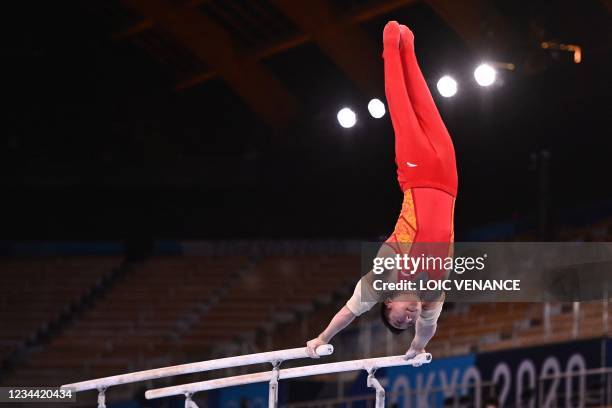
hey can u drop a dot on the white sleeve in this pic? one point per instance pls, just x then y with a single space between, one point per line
425 327
430 317
356 305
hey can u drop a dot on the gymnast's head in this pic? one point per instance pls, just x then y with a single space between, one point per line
400 313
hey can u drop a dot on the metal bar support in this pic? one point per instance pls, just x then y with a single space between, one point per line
380 391
189 403
101 398
273 385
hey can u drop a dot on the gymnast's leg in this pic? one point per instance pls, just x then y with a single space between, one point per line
422 101
410 142
444 173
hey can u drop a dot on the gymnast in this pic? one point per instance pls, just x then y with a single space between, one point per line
427 176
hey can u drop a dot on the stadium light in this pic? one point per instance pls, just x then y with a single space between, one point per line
447 86
347 118
485 75
376 108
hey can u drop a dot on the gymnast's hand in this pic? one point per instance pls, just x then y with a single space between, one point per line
311 346
412 353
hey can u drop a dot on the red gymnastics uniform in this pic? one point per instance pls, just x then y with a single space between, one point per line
424 153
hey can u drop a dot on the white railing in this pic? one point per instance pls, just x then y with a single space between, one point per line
370 365
273 357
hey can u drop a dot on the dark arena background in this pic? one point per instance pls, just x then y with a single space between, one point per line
185 180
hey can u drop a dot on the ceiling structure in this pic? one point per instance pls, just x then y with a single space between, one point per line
230 38
183 105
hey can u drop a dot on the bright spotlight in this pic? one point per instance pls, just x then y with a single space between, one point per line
485 75
347 118
376 108
447 86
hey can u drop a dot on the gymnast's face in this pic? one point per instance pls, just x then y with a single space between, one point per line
401 313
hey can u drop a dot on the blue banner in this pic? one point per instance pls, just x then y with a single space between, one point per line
430 384
246 396
519 374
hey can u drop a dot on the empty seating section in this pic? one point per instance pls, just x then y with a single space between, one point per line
588 321
36 292
137 324
168 310
270 292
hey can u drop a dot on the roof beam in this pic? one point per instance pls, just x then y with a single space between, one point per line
477 22
357 16
362 14
263 93
148 23
345 44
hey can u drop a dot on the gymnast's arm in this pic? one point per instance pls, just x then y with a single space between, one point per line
355 306
425 326
343 318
